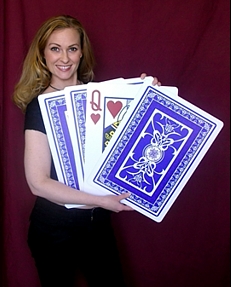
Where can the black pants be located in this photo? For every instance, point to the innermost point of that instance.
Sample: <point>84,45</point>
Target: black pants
<point>63,241</point>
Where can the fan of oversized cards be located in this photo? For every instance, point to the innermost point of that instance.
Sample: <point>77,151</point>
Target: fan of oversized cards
<point>126,135</point>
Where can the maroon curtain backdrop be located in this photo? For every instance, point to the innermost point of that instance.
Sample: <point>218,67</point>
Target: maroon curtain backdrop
<point>185,44</point>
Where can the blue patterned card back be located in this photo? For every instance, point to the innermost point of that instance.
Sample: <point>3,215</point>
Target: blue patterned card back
<point>155,151</point>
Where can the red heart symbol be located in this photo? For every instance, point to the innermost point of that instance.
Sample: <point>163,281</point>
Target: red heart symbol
<point>95,118</point>
<point>114,107</point>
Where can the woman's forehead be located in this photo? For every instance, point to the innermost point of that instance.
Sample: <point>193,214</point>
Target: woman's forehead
<point>65,34</point>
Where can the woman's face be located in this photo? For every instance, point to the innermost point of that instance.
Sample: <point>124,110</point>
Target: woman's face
<point>63,54</point>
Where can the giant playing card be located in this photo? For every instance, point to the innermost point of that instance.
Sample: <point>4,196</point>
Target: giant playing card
<point>154,151</point>
<point>54,113</point>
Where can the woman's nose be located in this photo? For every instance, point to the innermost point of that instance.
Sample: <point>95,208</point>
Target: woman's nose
<point>64,57</point>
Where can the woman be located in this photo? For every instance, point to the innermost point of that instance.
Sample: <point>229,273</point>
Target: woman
<point>63,240</point>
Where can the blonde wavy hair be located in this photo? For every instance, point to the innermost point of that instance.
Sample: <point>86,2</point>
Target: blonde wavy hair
<point>35,77</point>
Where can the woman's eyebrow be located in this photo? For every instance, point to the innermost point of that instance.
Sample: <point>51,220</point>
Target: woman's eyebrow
<point>75,44</point>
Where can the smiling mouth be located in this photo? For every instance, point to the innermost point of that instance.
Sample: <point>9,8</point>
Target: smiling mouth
<point>64,68</point>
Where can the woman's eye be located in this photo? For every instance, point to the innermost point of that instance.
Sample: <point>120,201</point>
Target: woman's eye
<point>73,49</point>
<point>54,49</point>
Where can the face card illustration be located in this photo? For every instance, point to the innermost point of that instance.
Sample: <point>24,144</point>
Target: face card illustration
<point>154,152</point>
<point>114,111</point>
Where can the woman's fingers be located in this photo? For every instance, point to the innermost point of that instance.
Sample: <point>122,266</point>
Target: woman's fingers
<point>154,82</point>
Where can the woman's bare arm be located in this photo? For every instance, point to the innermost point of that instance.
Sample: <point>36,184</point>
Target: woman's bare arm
<point>37,161</point>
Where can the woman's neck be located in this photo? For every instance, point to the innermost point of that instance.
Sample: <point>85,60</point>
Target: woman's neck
<point>61,86</point>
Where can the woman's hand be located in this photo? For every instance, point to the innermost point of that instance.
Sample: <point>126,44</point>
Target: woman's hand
<point>113,202</point>
<point>155,79</point>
